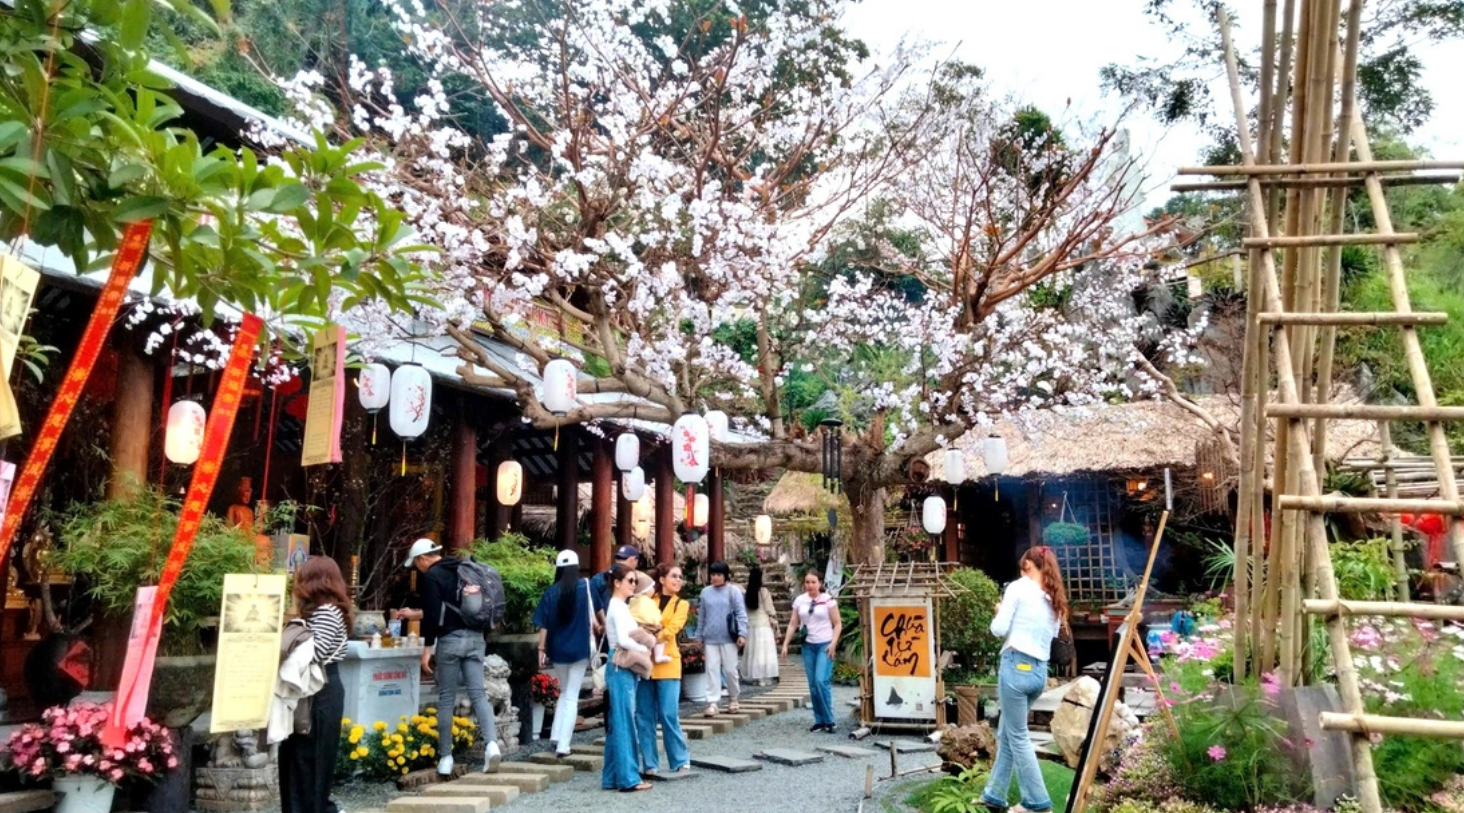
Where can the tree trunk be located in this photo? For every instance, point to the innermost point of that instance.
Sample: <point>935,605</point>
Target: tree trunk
<point>866,538</point>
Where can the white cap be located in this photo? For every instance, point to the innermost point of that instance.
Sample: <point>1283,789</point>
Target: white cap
<point>567,558</point>
<point>421,547</point>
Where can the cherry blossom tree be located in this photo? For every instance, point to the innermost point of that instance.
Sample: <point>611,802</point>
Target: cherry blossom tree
<point>677,186</point>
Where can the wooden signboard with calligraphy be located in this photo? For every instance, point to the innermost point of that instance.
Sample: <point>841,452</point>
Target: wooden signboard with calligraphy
<point>903,658</point>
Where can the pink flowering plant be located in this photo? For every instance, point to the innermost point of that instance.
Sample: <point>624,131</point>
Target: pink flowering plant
<point>68,741</point>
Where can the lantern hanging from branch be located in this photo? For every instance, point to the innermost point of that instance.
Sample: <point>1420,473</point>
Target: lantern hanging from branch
<point>640,517</point>
<point>633,484</point>
<point>627,451</point>
<point>373,387</point>
<point>411,404</point>
<point>933,515</point>
<point>717,424</point>
<point>700,508</point>
<point>955,473</point>
<point>561,388</point>
<point>690,448</point>
<point>994,454</point>
<point>184,438</point>
<point>510,482</point>
<point>833,455</point>
<point>762,529</point>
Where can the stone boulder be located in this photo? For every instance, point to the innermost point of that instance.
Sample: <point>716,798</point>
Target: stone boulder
<point>1070,724</point>
<point>964,746</point>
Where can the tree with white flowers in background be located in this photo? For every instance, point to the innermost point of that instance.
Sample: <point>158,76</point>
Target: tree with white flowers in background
<point>734,206</point>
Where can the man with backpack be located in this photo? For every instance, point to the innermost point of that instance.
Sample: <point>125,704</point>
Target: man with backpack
<point>461,600</point>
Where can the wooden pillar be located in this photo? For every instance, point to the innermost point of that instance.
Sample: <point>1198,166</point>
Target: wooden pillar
<point>624,524</point>
<point>132,424</point>
<point>1034,515</point>
<point>602,473</point>
<point>497,515</point>
<point>716,518</point>
<point>665,507</point>
<point>464,511</point>
<point>567,506</point>
<point>952,536</point>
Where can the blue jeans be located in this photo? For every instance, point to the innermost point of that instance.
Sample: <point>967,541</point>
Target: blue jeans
<point>660,700</point>
<point>1019,683</point>
<point>621,771</point>
<point>818,663</point>
<point>460,661</point>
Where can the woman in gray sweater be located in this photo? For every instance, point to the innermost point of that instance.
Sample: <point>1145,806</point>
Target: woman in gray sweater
<point>721,626</point>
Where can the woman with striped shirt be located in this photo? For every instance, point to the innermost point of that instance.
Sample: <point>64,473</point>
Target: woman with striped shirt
<point>307,761</point>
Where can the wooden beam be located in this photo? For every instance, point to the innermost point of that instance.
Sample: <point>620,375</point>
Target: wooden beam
<point>567,504</point>
<point>1346,319</point>
<point>665,507</point>
<point>602,496</point>
<point>1322,240</point>
<point>624,525</point>
<point>463,514</point>
<point>1328,168</point>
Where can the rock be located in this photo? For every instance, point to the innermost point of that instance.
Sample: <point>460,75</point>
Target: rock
<point>965,746</point>
<point>1070,724</point>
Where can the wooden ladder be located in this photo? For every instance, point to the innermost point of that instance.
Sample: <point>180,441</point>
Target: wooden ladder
<point>1290,313</point>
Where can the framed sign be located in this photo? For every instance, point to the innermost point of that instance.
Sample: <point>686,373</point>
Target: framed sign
<point>903,661</point>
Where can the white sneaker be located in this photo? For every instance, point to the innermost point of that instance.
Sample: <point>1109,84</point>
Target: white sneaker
<point>493,752</point>
<point>444,766</point>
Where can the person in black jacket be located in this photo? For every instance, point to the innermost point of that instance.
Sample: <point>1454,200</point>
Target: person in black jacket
<point>459,650</point>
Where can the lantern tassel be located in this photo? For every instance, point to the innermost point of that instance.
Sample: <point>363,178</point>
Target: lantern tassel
<point>404,458</point>
<point>556,437</point>
<point>690,506</point>
<point>373,429</point>
<point>997,481</point>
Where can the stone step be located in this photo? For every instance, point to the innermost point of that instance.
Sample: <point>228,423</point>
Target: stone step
<point>754,712</point>
<point>496,794</point>
<point>671,776</point>
<point>726,764</point>
<point>771,705</point>
<point>525,782</point>
<point>848,751</point>
<point>719,724</point>
<point>696,732</point>
<point>555,773</point>
<point>27,801</point>
<point>591,750</point>
<point>438,804</point>
<point>908,746</point>
<point>580,762</point>
<point>788,756</point>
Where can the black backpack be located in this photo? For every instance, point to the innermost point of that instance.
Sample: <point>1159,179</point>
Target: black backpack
<point>481,600</point>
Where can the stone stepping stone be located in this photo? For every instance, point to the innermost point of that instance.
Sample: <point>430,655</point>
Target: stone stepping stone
<point>719,724</point>
<point>726,764</point>
<point>773,705</point>
<point>694,732</point>
<point>755,712</point>
<point>798,701</point>
<point>908,747</point>
<point>671,776</point>
<point>738,720</point>
<point>496,794</point>
<point>556,773</point>
<point>848,751</point>
<point>580,762</point>
<point>438,804</point>
<point>525,782</point>
<point>788,756</point>
<point>588,750</point>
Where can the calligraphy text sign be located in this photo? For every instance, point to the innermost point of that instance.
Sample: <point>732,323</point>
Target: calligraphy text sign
<point>902,638</point>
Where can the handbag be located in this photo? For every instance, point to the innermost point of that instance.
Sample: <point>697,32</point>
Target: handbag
<point>597,660</point>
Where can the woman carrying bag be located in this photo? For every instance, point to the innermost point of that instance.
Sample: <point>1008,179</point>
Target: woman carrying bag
<point>563,618</point>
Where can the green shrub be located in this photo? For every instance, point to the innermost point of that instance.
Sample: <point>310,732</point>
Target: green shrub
<point>527,572</point>
<point>113,547</point>
<point>965,622</point>
<point>1411,769</point>
<point>1059,534</point>
<point>1364,569</point>
<point>1230,751</point>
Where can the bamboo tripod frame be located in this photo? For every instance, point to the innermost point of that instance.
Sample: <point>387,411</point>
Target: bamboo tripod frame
<point>1284,579</point>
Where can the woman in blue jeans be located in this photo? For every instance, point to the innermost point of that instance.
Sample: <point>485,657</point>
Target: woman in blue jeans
<point>622,752</point>
<point>659,699</point>
<point>1031,613</point>
<point>817,611</point>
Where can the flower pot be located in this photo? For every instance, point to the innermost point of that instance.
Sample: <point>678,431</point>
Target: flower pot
<point>84,794</point>
<point>366,622</point>
<point>538,720</point>
<point>182,689</point>
<point>694,687</point>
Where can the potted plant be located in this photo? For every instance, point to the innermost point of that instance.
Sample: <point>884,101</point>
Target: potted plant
<point>67,748</point>
<point>693,671</point>
<point>526,572</point>
<point>543,692</point>
<point>113,547</point>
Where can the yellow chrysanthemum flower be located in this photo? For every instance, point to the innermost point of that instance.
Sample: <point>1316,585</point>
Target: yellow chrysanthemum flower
<point>355,737</point>
<point>402,727</point>
<point>396,738</point>
<point>431,710</point>
<point>379,726</point>
<point>345,721</point>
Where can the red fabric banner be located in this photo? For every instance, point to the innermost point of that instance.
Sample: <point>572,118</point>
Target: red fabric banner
<point>130,256</point>
<point>132,694</point>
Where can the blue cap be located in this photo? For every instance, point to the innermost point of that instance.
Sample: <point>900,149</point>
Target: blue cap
<point>626,552</point>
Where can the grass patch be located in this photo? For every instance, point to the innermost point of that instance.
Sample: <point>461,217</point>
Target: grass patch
<point>1057,776</point>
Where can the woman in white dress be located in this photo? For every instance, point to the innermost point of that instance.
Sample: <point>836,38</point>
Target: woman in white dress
<point>760,656</point>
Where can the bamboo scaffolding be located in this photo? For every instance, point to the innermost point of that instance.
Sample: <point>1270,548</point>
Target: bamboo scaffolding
<point>1401,587</point>
<point>1369,412</point>
<point>1434,612</point>
<point>1368,505</point>
<point>1364,165</point>
<point>1327,240</point>
<point>1326,183</point>
<point>1346,319</point>
<point>1365,724</point>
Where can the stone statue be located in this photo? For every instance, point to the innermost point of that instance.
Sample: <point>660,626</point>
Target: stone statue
<point>238,778</point>
<point>500,696</point>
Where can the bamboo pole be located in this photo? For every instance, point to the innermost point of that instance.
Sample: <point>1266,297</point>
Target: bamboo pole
<point>1325,240</point>
<point>1363,724</point>
<point>1362,165</point>
<point>1346,181</point>
<point>1345,318</point>
<point>1401,587</point>
<point>1369,505</point>
<point>1366,412</point>
<point>1400,609</point>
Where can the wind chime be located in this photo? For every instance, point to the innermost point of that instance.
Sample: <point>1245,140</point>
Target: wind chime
<point>833,455</point>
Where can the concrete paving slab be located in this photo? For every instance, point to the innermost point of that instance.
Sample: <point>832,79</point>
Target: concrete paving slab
<point>788,756</point>
<point>726,764</point>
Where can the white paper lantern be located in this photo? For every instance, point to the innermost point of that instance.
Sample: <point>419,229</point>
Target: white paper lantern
<point>633,484</point>
<point>640,518</point>
<point>700,509</point>
<point>994,451</point>
<point>373,385</point>
<point>510,482</point>
<point>955,467</point>
<point>717,425</point>
<point>691,448</point>
<point>627,451</point>
<point>762,529</point>
<point>933,515</point>
<point>561,386</point>
<point>184,438</point>
<point>411,400</point>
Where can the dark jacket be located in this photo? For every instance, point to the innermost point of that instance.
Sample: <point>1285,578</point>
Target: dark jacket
<point>439,587</point>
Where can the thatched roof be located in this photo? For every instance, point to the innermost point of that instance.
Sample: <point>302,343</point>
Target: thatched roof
<point>799,492</point>
<point>1122,437</point>
<point>543,520</point>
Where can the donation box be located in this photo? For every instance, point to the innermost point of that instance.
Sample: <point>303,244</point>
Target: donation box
<point>381,684</point>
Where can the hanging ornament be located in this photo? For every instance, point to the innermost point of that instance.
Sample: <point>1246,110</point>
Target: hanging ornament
<point>184,438</point>
<point>627,451</point>
<point>833,455</point>
<point>701,507</point>
<point>933,515</point>
<point>633,484</point>
<point>762,529</point>
<point>411,404</point>
<point>994,453</point>
<point>955,473</point>
<point>690,448</point>
<point>717,423</point>
<point>373,387</point>
<point>640,517</point>
<point>510,482</point>
<point>561,387</point>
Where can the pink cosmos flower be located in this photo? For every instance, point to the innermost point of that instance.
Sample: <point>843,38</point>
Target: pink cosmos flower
<point>1216,752</point>
<point>1271,684</point>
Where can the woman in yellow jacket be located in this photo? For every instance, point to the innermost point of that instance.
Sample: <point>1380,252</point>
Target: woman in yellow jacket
<point>659,699</point>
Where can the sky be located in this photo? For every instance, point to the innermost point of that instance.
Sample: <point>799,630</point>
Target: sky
<point>1049,52</point>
